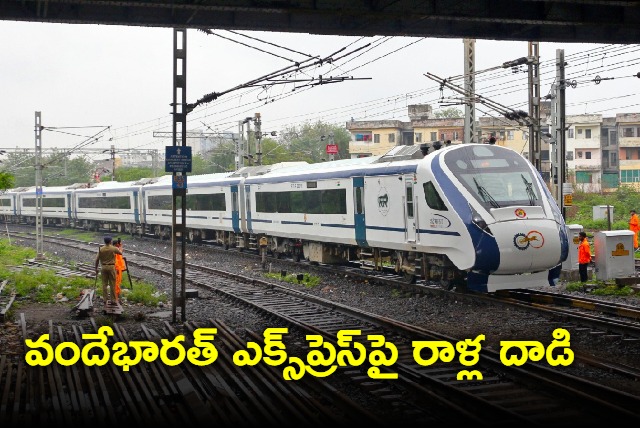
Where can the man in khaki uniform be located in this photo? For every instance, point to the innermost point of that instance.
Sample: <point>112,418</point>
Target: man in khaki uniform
<point>107,258</point>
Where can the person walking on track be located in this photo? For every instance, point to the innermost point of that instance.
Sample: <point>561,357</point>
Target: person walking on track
<point>634,226</point>
<point>120,267</point>
<point>106,257</point>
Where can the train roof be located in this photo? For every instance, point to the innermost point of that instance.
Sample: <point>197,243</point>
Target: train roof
<point>249,171</point>
<point>108,185</point>
<point>400,160</point>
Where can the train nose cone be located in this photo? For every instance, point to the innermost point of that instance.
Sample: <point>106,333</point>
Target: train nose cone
<point>527,245</point>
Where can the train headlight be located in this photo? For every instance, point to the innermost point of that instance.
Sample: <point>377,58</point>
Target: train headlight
<point>479,221</point>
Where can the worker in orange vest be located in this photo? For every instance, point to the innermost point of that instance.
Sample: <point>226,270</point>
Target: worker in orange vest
<point>584,256</point>
<point>634,226</point>
<point>120,267</point>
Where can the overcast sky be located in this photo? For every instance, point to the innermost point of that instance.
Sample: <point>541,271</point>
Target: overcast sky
<point>84,78</point>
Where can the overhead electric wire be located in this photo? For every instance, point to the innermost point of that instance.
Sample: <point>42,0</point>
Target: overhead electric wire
<point>211,33</point>
<point>269,43</point>
<point>551,62</point>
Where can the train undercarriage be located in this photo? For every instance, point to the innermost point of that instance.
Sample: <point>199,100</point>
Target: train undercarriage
<point>410,265</point>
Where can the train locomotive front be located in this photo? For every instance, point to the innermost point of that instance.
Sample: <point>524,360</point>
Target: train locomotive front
<point>506,215</point>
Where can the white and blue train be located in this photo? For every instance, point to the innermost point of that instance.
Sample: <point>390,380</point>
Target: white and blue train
<point>471,215</point>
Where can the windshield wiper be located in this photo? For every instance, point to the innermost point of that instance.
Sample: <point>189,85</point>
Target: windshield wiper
<point>486,197</point>
<point>530,193</point>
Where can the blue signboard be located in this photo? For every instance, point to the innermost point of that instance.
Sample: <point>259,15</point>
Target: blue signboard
<point>179,182</point>
<point>177,159</point>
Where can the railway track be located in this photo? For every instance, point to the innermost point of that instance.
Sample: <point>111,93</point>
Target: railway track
<point>153,393</point>
<point>6,299</point>
<point>530,394</point>
<point>494,395</point>
<point>615,320</point>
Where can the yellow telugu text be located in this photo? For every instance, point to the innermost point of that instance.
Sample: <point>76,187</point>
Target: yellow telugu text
<point>323,358</point>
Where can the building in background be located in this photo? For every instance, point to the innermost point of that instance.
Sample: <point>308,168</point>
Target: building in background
<point>628,125</point>
<point>601,153</point>
<point>584,151</point>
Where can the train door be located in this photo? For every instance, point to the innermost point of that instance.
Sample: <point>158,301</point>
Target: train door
<point>358,211</point>
<point>247,204</point>
<point>409,212</point>
<point>136,210</point>
<point>143,204</point>
<point>69,206</point>
<point>235,212</point>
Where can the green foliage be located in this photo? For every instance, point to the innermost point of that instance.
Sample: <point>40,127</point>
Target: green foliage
<point>142,292</point>
<point>133,173</point>
<point>449,113</point>
<point>78,234</point>
<point>308,281</point>
<point>6,181</point>
<point>307,142</point>
<point>623,200</point>
<point>602,289</point>
<point>613,290</point>
<point>59,169</point>
<point>575,286</point>
<point>11,255</point>
<point>44,285</point>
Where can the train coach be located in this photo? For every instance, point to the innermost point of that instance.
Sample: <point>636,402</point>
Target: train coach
<point>471,215</point>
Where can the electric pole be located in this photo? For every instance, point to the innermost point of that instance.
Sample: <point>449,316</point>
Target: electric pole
<point>258,135</point>
<point>560,130</point>
<point>113,163</point>
<point>39,234</point>
<point>248,146</point>
<point>470,89</point>
<point>179,179</point>
<point>534,105</point>
<point>239,145</point>
<point>558,169</point>
<point>331,155</point>
<point>154,162</point>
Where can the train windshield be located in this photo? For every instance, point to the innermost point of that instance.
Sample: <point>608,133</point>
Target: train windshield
<point>497,177</point>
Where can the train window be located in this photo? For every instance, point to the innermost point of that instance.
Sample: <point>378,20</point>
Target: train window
<point>312,202</point>
<point>283,202</point>
<point>163,202</point>
<point>46,202</point>
<point>312,184</point>
<point>332,201</point>
<point>297,203</point>
<point>409,193</point>
<point>266,202</point>
<point>431,195</point>
<point>234,201</point>
<point>359,193</point>
<point>206,202</point>
<point>109,202</point>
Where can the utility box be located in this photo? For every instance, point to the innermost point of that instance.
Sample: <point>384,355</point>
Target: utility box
<point>573,230</point>
<point>600,212</point>
<point>614,254</point>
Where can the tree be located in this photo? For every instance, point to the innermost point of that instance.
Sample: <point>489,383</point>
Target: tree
<point>449,113</point>
<point>308,142</point>
<point>6,181</point>
<point>133,173</point>
<point>65,171</point>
